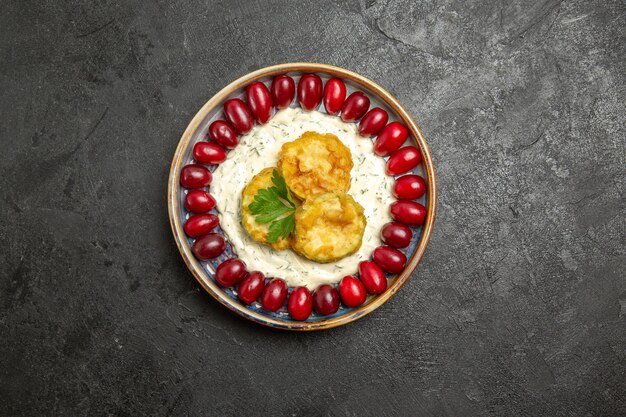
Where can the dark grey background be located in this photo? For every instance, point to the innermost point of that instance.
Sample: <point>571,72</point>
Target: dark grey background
<point>517,309</point>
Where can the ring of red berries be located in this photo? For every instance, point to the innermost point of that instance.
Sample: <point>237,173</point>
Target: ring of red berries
<point>239,119</point>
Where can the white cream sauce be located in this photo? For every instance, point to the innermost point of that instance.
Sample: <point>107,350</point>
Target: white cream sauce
<point>259,149</point>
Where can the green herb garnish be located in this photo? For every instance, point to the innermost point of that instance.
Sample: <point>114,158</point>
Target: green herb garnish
<point>274,204</point>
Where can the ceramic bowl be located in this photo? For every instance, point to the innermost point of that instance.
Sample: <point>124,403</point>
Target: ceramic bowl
<point>197,131</point>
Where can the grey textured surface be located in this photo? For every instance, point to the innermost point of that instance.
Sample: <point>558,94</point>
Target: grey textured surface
<point>517,309</point>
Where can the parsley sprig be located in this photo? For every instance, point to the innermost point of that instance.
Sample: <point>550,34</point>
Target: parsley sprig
<point>275,204</point>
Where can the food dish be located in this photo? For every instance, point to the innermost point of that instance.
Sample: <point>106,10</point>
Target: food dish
<point>329,227</point>
<point>261,148</point>
<point>285,298</point>
<point>259,231</point>
<point>315,163</point>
